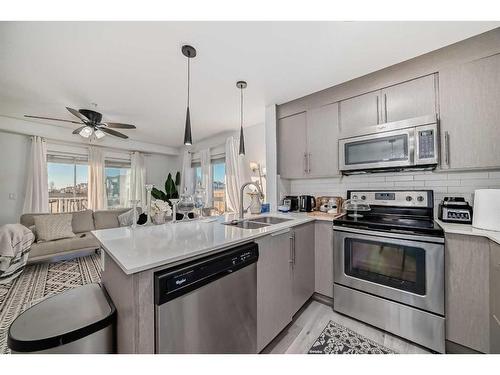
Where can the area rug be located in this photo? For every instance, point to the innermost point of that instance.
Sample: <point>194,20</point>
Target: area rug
<point>40,281</point>
<point>337,339</point>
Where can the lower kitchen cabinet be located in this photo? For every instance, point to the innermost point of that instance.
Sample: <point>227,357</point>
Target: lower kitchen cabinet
<point>323,258</point>
<point>285,279</point>
<point>472,282</point>
<point>274,286</point>
<point>302,265</point>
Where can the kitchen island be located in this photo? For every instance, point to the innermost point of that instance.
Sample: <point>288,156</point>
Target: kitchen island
<point>131,257</point>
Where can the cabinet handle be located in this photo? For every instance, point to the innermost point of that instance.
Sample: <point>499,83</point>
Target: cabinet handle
<point>305,162</point>
<point>293,247</point>
<point>309,163</point>
<point>447,148</point>
<point>290,256</point>
<point>378,113</point>
<point>385,107</point>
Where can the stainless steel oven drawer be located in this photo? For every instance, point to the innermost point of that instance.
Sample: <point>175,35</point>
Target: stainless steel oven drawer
<point>415,325</point>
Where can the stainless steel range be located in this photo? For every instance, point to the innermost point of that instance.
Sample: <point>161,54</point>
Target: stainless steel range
<point>389,265</point>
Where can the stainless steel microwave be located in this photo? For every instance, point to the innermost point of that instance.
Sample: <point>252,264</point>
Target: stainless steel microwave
<point>408,144</point>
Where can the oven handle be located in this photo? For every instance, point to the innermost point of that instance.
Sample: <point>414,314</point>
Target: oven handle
<point>396,235</point>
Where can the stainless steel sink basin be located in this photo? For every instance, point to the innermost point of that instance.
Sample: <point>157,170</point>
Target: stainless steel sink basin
<point>246,224</point>
<point>269,220</point>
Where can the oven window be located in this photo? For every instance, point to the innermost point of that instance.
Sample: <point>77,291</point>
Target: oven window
<point>396,266</point>
<point>392,148</point>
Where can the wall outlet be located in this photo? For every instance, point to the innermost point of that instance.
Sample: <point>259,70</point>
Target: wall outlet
<point>12,196</point>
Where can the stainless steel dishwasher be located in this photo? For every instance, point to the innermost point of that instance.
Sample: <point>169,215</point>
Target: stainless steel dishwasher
<point>209,305</point>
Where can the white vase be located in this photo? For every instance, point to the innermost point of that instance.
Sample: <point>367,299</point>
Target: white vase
<point>159,218</point>
<point>255,205</point>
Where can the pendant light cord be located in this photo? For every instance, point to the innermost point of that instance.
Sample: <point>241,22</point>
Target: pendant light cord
<point>241,107</point>
<point>189,78</point>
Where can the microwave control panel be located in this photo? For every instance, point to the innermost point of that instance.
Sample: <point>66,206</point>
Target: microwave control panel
<point>426,144</point>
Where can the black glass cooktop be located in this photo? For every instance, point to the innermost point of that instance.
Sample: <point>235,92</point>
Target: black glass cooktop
<point>392,223</point>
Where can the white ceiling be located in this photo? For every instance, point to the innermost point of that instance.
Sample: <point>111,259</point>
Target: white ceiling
<point>137,74</point>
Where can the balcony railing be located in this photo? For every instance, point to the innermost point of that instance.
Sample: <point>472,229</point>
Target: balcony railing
<point>72,204</point>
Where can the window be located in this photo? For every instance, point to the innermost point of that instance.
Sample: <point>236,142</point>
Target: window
<point>68,181</point>
<point>219,184</point>
<point>117,183</point>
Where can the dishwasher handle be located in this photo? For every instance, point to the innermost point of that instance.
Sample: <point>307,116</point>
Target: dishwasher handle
<point>178,281</point>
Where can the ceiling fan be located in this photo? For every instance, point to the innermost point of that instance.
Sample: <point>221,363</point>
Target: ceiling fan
<point>92,124</point>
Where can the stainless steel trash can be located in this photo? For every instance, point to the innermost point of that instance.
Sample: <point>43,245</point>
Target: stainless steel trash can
<point>80,320</point>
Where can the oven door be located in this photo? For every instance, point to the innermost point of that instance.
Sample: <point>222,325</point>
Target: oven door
<point>402,270</point>
<point>390,149</point>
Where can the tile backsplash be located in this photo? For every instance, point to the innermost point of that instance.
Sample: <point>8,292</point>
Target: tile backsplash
<point>460,184</point>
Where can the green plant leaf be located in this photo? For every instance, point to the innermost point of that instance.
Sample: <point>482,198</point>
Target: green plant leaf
<point>178,179</point>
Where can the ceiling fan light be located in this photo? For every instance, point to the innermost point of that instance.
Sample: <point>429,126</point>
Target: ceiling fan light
<point>86,132</point>
<point>99,133</point>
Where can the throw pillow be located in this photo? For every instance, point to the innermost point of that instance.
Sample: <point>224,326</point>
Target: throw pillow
<point>53,227</point>
<point>127,218</point>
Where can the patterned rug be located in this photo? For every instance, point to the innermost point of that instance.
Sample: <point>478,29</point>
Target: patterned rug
<point>337,339</point>
<point>39,281</point>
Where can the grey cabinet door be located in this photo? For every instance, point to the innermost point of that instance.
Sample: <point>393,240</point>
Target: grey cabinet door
<point>292,146</point>
<point>322,141</point>
<point>494,297</point>
<point>467,291</point>
<point>323,258</point>
<point>274,286</point>
<point>469,97</point>
<point>410,99</point>
<point>303,265</point>
<point>359,112</point>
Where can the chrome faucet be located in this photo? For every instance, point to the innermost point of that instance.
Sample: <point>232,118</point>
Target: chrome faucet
<point>257,185</point>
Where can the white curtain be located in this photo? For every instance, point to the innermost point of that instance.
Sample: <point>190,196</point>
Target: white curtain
<point>187,174</point>
<point>138,178</point>
<point>97,181</point>
<point>36,198</point>
<point>206,175</point>
<point>234,174</point>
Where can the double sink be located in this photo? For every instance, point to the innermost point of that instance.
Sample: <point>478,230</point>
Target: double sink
<point>256,222</point>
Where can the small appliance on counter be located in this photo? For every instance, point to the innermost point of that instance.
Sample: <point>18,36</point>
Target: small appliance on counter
<point>455,210</point>
<point>307,203</point>
<point>328,203</point>
<point>487,209</point>
<point>292,201</point>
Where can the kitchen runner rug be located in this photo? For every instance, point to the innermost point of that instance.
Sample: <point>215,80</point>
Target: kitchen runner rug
<point>40,281</point>
<point>337,339</point>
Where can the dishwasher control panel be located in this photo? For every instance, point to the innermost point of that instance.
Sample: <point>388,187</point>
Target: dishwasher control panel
<point>177,281</point>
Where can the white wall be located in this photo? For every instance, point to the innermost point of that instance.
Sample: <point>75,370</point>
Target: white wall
<point>461,184</point>
<point>159,166</point>
<point>13,159</point>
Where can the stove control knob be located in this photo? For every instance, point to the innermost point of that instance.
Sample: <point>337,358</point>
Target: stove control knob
<point>409,198</point>
<point>420,198</point>
<point>363,197</point>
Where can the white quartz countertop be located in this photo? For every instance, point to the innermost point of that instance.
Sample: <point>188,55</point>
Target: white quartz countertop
<point>469,230</point>
<point>157,245</point>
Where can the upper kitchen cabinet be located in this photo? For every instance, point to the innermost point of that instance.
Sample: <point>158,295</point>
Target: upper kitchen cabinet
<point>409,99</point>
<point>469,98</point>
<point>360,111</point>
<point>292,146</point>
<point>322,145</point>
<point>308,143</point>
<point>403,101</point>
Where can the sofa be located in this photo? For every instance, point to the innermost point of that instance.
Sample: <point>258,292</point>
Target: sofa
<point>83,222</point>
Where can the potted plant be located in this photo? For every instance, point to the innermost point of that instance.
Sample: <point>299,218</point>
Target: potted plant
<point>171,189</point>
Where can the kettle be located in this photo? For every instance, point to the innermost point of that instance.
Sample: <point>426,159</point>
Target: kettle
<point>307,203</point>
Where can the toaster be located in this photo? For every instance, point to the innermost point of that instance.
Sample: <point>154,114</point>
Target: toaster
<point>455,210</point>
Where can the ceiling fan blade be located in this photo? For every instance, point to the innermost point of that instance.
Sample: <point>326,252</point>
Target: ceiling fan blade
<point>78,114</point>
<point>52,119</point>
<point>78,130</point>
<point>118,125</point>
<point>113,132</point>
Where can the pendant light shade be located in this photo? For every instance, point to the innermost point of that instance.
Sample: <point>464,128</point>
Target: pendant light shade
<point>189,52</point>
<point>241,85</point>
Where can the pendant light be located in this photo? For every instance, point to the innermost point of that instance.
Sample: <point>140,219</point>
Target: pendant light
<point>241,85</point>
<point>189,52</point>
